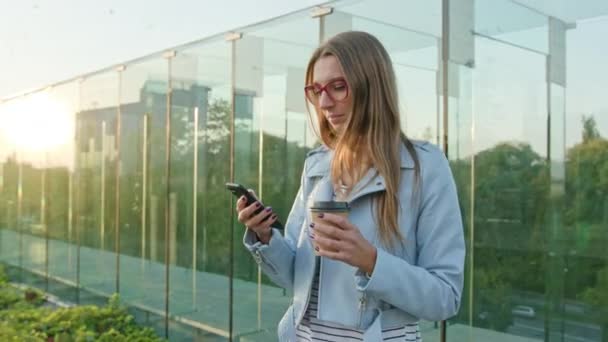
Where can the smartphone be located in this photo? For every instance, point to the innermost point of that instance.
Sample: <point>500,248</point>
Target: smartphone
<point>238,190</point>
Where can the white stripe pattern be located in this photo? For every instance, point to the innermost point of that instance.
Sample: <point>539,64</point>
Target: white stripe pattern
<point>312,329</point>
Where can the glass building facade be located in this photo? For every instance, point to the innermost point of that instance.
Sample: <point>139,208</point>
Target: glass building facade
<point>113,182</point>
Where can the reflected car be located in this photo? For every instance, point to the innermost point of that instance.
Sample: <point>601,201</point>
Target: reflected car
<point>523,311</point>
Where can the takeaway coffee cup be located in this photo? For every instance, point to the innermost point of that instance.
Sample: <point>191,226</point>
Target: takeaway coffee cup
<point>327,207</point>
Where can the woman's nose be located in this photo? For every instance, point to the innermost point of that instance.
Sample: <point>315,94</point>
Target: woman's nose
<point>325,101</point>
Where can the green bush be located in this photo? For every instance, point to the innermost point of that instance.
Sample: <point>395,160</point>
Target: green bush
<point>23,319</point>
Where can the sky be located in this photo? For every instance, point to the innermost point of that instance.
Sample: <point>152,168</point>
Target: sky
<point>45,41</point>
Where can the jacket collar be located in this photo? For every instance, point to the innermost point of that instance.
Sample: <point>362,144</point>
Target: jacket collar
<point>371,182</point>
<point>325,155</point>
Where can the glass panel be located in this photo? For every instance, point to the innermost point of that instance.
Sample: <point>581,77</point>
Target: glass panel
<point>415,59</point>
<point>511,22</point>
<point>411,33</point>
<point>534,191</point>
<point>9,255</point>
<point>419,16</point>
<point>510,190</point>
<point>96,168</point>
<point>59,199</point>
<point>201,107</point>
<point>569,11</point>
<point>33,158</point>
<point>584,310</point>
<point>461,158</point>
<point>12,132</point>
<point>143,107</point>
<point>270,131</point>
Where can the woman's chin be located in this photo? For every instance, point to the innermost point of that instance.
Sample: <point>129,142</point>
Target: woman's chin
<point>338,128</point>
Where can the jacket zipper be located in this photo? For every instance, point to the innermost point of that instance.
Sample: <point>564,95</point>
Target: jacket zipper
<point>320,282</point>
<point>362,304</point>
<point>310,292</point>
<point>308,304</point>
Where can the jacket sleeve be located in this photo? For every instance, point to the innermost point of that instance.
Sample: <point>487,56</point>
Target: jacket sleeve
<point>277,257</point>
<point>432,289</point>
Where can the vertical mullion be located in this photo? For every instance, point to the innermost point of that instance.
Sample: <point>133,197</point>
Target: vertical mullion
<point>43,220</point>
<point>445,63</point>
<point>78,173</point>
<point>167,192</point>
<point>144,188</point>
<point>117,182</point>
<point>232,155</point>
<point>194,206</point>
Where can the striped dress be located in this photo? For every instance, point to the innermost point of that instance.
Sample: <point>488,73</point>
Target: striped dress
<point>313,329</point>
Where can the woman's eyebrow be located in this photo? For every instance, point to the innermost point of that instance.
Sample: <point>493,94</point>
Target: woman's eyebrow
<point>341,78</point>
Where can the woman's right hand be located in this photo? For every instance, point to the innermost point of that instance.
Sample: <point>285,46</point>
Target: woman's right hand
<point>255,222</point>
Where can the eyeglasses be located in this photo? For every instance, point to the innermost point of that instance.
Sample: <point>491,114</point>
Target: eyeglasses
<point>336,89</point>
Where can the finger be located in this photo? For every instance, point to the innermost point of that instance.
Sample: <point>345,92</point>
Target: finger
<point>328,244</point>
<point>330,254</point>
<point>329,230</point>
<point>257,219</point>
<point>252,208</point>
<point>267,225</point>
<point>247,213</point>
<point>313,233</point>
<point>241,203</point>
<point>338,221</point>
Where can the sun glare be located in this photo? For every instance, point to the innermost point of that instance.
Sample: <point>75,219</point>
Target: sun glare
<point>38,123</point>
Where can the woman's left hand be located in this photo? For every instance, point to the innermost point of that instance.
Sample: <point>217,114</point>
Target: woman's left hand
<point>338,239</point>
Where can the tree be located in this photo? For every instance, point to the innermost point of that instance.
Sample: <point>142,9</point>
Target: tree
<point>510,193</point>
<point>597,297</point>
<point>510,189</point>
<point>587,178</point>
<point>590,131</point>
<point>586,213</point>
<point>493,306</point>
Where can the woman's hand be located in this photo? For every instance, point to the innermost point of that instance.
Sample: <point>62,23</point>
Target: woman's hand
<point>336,238</point>
<point>256,222</point>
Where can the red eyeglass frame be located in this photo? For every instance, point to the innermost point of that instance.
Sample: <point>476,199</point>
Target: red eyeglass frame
<point>323,88</point>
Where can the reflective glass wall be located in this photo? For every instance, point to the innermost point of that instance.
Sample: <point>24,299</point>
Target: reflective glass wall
<point>114,182</point>
<point>530,186</point>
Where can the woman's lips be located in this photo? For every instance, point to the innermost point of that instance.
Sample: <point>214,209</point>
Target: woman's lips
<point>335,118</point>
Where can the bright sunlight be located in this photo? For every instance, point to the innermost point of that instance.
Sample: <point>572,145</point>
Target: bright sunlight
<point>37,123</point>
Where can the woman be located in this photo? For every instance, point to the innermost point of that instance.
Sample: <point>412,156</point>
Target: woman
<point>399,256</point>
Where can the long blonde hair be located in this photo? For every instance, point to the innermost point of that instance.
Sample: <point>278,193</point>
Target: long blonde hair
<point>373,130</point>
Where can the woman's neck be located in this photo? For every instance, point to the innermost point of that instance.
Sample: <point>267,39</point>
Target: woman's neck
<point>349,178</point>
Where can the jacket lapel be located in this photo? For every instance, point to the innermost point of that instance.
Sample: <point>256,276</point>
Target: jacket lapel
<point>374,182</point>
<point>370,183</point>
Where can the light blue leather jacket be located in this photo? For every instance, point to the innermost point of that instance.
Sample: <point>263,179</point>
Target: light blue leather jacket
<point>420,278</point>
